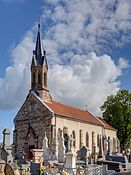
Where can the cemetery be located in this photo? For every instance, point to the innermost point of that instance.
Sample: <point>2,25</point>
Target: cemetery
<point>67,163</point>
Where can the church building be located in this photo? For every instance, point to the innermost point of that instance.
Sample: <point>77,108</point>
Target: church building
<point>41,114</point>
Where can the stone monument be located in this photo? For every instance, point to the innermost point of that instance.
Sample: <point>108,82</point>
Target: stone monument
<point>61,149</point>
<point>45,148</point>
<point>6,151</point>
<point>70,158</point>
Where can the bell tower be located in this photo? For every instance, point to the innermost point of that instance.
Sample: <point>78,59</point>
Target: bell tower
<point>39,70</point>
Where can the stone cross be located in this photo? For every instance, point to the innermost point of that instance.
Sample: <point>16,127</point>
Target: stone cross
<point>61,149</point>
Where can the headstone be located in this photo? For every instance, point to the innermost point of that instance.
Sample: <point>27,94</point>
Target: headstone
<point>34,168</point>
<point>37,154</point>
<point>6,139</point>
<point>70,158</point>
<point>83,154</point>
<point>7,146</point>
<point>61,149</point>
<point>2,167</point>
<point>54,151</point>
<point>9,170</point>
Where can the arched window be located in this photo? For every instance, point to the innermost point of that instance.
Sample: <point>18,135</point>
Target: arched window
<point>87,139</point>
<point>98,140</point>
<point>114,145</point>
<point>39,79</point>
<point>58,135</point>
<point>74,138</point>
<point>33,79</point>
<point>81,138</point>
<point>45,79</point>
<point>66,138</point>
<point>93,142</point>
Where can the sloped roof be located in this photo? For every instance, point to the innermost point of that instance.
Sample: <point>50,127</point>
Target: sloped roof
<point>71,112</point>
<point>106,125</point>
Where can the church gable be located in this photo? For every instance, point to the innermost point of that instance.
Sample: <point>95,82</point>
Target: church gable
<point>32,107</point>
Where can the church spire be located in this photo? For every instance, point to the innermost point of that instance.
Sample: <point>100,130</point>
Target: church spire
<point>39,70</point>
<point>39,52</point>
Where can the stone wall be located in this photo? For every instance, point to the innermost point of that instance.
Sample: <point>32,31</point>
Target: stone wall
<point>78,127</point>
<point>35,115</point>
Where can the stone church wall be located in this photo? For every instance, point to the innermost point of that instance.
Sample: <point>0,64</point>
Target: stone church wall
<point>34,114</point>
<point>78,127</point>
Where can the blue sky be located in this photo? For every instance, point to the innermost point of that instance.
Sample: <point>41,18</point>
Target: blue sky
<point>88,48</point>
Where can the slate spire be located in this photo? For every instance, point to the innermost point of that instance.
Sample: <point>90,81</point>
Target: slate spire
<point>40,53</point>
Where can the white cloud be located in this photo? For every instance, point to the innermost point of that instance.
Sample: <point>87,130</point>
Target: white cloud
<point>74,33</point>
<point>89,79</point>
<point>89,25</point>
<point>16,82</point>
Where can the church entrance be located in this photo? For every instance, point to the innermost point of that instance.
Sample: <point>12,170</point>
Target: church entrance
<point>31,142</point>
<point>30,152</point>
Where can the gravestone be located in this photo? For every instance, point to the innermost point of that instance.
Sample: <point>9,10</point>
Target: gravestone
<point>61,149</point>
<point>83,154</point>
<point>2,167</point>
<point>7,148</point>
<point>9,170</point>
<point>37,154</point>
<point>34,168</point>
<point>70,158</point>
<point>100,148</point>
<point>6,139</point>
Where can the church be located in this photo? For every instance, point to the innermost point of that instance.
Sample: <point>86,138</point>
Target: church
<point>41,114</point>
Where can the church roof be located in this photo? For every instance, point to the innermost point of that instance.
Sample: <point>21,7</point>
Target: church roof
<point>106,125</point>
<point>72,113</point>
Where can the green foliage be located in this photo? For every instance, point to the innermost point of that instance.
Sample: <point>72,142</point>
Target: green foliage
<point>117,112</point>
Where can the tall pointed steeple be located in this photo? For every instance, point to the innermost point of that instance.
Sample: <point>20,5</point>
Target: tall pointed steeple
<point>39,70</point>
<point>39,52</point>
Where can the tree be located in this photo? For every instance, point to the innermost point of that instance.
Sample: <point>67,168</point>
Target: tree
<point>117,112</point>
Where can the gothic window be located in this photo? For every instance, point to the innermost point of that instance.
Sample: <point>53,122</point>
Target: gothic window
<point>45,79</point>
<point>33,79</point>
<point>58,135</point>
<point>98,140</point>
<point>81,138</point>
<point>93,138</point>
<point>87,139</point>
<point>74,138</point>
<point>114,145</point>
<point>66,139</point>
<point>39,79</point>
<point>93,141</point>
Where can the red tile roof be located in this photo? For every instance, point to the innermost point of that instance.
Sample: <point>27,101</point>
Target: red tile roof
<point>106,125</point>
<point>71,112</point>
